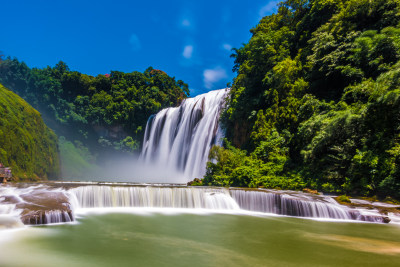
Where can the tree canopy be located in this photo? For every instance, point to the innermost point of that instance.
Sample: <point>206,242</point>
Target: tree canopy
<point>96,116</point>
<point>315,102</point>
<point>112,106</point>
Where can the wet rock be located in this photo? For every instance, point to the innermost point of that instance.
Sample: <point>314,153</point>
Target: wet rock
<point>386,219</point>
<point>35,217</point>
<point>195,182</point>
<point>44,207</point>
<point>382,209</point>
<point>343,199</point>
<point>310,191</point>
<point>9,200</point>
<point>357,215</point>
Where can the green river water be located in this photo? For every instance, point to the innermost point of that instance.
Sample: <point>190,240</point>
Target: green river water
<point>187,239</point>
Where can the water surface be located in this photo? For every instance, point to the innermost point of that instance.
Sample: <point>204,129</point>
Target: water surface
<point>185,239</point>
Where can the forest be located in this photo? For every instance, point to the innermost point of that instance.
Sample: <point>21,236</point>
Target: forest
<point>95,117</point>
<point>316,101</point>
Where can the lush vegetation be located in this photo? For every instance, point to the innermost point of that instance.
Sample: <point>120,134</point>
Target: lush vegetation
<point>96,115</point>
<point>315,104</point>
<point>316,101</point>
<point>26,144</point>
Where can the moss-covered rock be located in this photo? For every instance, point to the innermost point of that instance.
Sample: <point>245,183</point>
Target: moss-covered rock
<point>27,145</point>
<point>343,199</point>
<point>195,182</point>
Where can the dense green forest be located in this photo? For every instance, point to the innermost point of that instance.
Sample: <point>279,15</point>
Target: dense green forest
<point>94,116</point>
<point>316,101</point>
<point>26,144</point>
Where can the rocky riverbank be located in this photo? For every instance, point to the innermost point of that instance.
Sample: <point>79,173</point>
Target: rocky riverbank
<point>384,208</point>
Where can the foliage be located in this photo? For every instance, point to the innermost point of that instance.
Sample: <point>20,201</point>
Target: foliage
<point>26,144</point>
<point>263,168</point>
<point>316,100</point>
<point>107,113</point>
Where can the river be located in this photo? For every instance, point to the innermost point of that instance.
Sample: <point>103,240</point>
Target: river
<point>155,225</point>
<point>171,237</point>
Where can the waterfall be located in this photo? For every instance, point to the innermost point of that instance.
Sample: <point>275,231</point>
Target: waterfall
<point>178,140</point>
<point>299,205</point>
<point>153,197</point>
<point>58,203</point>
<point>287,205</point>
<point>48,217</point>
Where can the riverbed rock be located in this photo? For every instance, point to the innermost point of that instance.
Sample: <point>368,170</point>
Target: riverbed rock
<point>9,200</point>
<point>357,215</point>
<point>39,206</point>
<point>195,182</point>
<point>386,219</point>
<point>35,217</point>
<point>44,207</point>
<point>310,191</point>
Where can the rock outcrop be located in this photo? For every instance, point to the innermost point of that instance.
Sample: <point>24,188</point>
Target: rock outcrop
<point>41,206</point>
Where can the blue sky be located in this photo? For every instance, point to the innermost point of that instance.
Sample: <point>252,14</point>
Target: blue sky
<point>190,40</point>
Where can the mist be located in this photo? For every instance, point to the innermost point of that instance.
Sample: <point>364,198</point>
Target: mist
<point>128,169</point>
<point>175,147</point>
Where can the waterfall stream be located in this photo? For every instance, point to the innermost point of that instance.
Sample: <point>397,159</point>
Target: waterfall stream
<point>153,197</point>
<point>178,140</point>
<point>58,203</point>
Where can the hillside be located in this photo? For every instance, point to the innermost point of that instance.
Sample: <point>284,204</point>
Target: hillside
<point>98,117</point>
<point>316,101</point>
<point>108,111</point>
<point>26,144</point>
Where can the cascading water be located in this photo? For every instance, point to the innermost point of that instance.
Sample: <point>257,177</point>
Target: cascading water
<point>287,205</point>
<point>178,140</point>
<point>34,205</point>
<point>153,197</point>
<point>299,205</point>
<point>58,203</point>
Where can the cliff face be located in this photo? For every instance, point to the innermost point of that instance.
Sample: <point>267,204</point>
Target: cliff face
<point>27,145</point>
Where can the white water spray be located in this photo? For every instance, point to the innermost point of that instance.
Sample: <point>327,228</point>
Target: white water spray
<point>178,140</point>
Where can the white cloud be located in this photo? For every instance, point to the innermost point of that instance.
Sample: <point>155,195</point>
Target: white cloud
<point>187,51</point>
<point>269,8</point>
<point>212,76</point>
<point>227,47</point>
<point>135,43</point>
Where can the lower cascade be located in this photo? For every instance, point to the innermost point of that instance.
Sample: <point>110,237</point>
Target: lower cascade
<point>178,140</point>
<point>44,204</point>
<point>153,197</point>
<point>298,204</point>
